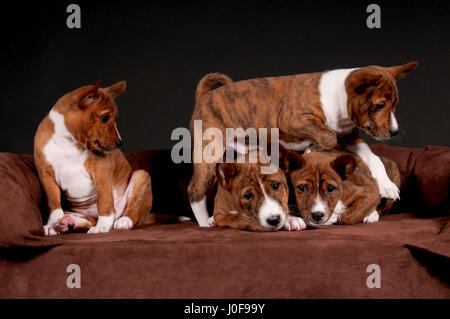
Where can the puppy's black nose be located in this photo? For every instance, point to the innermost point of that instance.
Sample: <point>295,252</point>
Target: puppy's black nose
<point>119,143</point>
<point>393,133</point>
<point>317,216</point>
<point>273,220</point>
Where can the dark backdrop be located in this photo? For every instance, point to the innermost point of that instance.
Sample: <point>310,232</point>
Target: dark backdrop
<point>163,48</point>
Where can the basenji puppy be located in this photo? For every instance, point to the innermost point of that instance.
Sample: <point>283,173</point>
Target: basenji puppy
<point>335,187</point>
<point>249,200</point>
<point>315,109</point>
<point>88,182</point>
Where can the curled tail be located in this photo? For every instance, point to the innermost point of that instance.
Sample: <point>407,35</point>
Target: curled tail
<point>208,81</point>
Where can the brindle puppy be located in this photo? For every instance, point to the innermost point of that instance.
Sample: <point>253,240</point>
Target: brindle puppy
<point>249,200</point>
<point>336,187</point>
<point>316,108</point>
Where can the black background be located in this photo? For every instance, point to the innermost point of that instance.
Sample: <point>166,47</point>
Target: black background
<point>162,49</point>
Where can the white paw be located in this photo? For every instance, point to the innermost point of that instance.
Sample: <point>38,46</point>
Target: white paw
<point>123,223</point>
<point>50,230</point>
<point>388,189</point>
<point>332,220</point>
<point>308,150</point>
<point>99,229</point>
<point>372,218</point>
<point>211,222</point>
<point>104,224</point>
<point>294,223</point>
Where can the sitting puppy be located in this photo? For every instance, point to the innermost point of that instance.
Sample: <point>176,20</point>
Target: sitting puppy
<point>317,108</point>
<point>81,168</point>
<point>335,187</point>
<point>249,200</point>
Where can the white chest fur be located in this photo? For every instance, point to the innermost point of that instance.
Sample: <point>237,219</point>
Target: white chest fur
<point>333,97</point>
<point>67,161</point>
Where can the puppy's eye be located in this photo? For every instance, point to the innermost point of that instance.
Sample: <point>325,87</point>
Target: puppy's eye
<point>379,106</point>
<point>331,189</point>
<point>302,188</point>
<point>104,118</point>
<point>248,196</point>
<point>275,186</point>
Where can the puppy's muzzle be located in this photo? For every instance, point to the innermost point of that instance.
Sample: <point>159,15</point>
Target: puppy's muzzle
<point>317,216</point>
<point>274,220</point>
<point>393,133</point>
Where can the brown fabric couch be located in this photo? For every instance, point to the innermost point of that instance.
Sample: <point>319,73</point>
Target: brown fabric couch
<point>411,244</point>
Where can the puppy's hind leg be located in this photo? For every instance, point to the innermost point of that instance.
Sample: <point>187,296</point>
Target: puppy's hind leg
<point>201,181</point>
<point>74,222</point>
<point>358,210</point>
<point>203,174</point>
<point>139,202</point>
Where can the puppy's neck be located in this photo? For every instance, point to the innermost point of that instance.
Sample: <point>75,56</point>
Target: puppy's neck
<point>62,136</point>
<point>333,97</point>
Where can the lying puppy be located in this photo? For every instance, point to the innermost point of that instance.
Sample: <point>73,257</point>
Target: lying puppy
<point>81,168</point>
<point>336,187</point>
<point>314,108</point>
<point>249,200</point>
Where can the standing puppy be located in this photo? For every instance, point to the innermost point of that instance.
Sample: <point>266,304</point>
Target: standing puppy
<point>87,180</point>
<point>316,108</point>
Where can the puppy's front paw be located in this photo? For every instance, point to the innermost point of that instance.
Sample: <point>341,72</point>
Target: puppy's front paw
<point>372,218</point>
<point>99,229</point>
<point>294,223</point>
<point>332,220</point>
<point>50,230</point>
<point>211,222</point>
<point>123,223</point>
<point>388,189</point>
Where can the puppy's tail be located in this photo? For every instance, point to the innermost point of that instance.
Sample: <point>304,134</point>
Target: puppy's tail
<point>208,81</point>
<point>150,219</point>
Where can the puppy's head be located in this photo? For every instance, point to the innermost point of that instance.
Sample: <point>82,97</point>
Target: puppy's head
<point>261,198</point>
<point>91,117</point>
<point>372,98</point>
<point>316,179</point>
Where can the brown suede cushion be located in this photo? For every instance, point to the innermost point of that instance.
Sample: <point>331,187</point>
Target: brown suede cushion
<point>20,204</point>
<point>425,175</point>
<point>425,178</point>
<point>186,261</point>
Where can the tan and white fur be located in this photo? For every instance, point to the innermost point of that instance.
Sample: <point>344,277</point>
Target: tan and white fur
<point>249,200</point>
<point>87,180</point>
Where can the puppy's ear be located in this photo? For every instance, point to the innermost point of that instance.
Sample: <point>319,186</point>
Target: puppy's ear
<point>344,165</point>
<point>85,96</point>
<point>116,89</point>
<point>362,79</point>
<point>292,161</point>
<point>271,152</point>
<point>401,71</point>
<point>225,174</point>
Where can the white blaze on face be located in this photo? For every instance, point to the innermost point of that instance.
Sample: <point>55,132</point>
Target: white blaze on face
<point>319,206</point>
<point>394,124</point>
<point>270,209</point>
